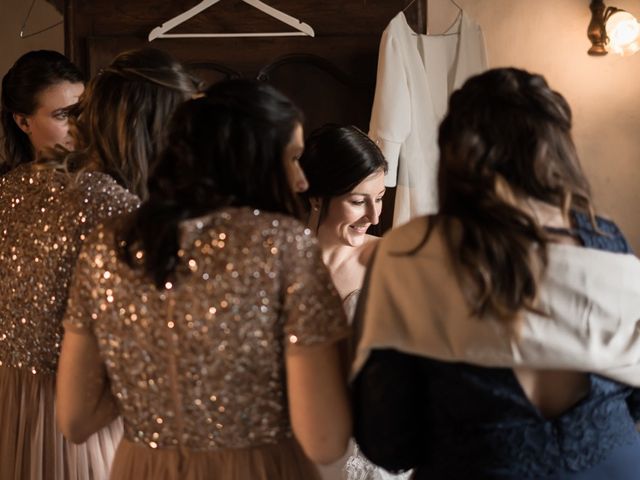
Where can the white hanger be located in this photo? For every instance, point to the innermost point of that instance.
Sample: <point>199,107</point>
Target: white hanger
<point>161,31</point>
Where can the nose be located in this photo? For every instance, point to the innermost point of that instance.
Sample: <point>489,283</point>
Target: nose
<point>373,213</point>
<point>300,183</point>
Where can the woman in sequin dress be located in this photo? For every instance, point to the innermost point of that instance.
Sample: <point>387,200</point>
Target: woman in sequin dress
<point>46,215</point>
<point>345,170</point>
<point>210,310</point>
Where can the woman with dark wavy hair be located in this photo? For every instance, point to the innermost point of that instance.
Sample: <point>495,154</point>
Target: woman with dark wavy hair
<point>345,170</point>
<point>49,202</point>
<point>37,92</point>
<point>481,324</point>
<point>209,310</point>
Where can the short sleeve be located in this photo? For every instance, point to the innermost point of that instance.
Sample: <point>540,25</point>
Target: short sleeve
<point>101,199</point>
<point>312,307</point>
<point>82,304</point>
<point>391,113</point>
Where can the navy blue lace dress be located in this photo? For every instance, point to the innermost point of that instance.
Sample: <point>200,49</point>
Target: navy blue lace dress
<point>458,421</point>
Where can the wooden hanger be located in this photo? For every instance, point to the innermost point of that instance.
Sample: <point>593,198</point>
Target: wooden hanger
<point>302,28</point>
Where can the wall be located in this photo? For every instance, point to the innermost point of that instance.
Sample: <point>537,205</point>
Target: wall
<point>549,37</point>
<point>12,14</point>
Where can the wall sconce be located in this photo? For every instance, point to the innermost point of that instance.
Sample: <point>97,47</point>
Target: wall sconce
<point>612,30</point>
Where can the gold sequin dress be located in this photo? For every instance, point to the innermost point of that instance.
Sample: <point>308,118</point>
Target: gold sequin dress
<point>198,368</point>
<point>44,220</point>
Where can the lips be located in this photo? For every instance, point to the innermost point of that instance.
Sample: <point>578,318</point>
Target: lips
<point>359,228</point>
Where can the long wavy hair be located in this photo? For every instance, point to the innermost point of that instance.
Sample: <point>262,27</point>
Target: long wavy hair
<point>505,127</point>
<point>29,76</point>
<point>335,160</point>
<point>225,149</point>
<point>123,113</point>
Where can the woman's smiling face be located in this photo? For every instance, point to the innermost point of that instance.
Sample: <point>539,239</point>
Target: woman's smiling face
<point>350,215</point>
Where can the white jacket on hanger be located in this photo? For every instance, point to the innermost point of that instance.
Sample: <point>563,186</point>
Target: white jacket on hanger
<point>416,75</point>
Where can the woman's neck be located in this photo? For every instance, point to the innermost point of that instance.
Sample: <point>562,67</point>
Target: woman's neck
<point>334,252</point>
<point>345,263</point>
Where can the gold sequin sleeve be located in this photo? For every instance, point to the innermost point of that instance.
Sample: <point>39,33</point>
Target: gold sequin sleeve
<point>82,306</point>
<point>313,309</point>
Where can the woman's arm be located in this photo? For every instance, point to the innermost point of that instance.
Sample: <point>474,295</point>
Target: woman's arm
<point>84,402</point>
<point>318,401</point>
<point>315,330</point>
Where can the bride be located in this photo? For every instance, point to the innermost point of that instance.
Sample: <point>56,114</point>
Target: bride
<point>345,171</point>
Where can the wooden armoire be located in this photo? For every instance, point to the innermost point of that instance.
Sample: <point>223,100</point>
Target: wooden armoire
<point>330,76</point>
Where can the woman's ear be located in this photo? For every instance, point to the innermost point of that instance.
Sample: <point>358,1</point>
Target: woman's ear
<point>23,122</point>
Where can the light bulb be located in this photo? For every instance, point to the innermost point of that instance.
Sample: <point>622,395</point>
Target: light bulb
<point>623,31</point>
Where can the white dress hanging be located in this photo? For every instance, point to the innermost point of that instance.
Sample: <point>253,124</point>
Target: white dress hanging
<point>416,75</point>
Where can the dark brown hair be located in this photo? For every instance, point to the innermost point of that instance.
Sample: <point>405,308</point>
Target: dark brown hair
<point>505,126</point>
<point>224,149</point>
<point>335,160</point>
<point>123,113</point>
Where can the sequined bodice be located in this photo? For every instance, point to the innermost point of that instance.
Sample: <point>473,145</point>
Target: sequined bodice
<point>201,364</point>
<point>45,218</point>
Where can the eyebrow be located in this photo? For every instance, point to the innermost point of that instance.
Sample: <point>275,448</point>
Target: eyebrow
<point>365,194</point>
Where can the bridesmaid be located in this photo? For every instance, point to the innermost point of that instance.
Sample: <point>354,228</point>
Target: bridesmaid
<point>46,215</point>
<point>345,170</point>
<point>210,311</point>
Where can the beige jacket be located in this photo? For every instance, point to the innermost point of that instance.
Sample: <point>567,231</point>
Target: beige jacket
<point>413,303</point>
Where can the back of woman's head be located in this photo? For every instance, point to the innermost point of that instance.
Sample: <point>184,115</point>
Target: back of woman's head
<point>32,73</point>
<point>124,112</point>
<point>506,140</point>
<point>336,159</point>
<point>508,123</point>
<point>224,149</point>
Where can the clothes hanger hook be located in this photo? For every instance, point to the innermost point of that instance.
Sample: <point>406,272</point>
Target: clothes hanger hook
<point>24,35</point>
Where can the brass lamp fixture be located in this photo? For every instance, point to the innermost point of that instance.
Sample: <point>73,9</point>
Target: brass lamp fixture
<point>612,30</point>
